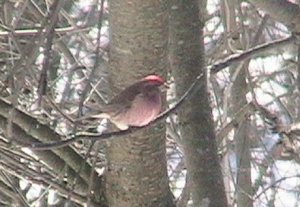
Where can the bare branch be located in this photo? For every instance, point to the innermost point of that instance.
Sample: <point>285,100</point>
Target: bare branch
<point>193,88</point>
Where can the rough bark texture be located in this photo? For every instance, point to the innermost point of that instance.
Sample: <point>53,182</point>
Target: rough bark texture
<point>137,174</point>
<point>195,119</point>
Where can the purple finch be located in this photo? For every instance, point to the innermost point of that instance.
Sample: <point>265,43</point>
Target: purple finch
<point>137,105</point>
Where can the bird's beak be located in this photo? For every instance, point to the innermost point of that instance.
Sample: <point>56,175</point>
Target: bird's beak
<point>164,87</point>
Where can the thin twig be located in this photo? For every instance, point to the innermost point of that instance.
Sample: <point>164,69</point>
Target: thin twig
<point>215,68</point>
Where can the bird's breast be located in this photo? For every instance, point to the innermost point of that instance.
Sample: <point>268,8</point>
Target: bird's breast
<point>143,110</point>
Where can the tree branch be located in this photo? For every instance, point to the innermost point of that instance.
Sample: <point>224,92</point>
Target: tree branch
<point>57,142</point>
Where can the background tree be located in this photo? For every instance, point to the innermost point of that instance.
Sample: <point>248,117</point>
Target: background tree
<point>195,120</point>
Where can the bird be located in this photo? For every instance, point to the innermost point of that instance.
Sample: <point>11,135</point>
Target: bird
<point>135,106</point>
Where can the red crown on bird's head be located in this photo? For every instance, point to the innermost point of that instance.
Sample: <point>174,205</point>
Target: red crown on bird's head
<point>155,79</point>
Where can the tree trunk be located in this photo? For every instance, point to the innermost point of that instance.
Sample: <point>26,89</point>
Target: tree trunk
<point>136,174</point>
<point>242,143</point>
<point>195,118</point>
<point>243,184</point>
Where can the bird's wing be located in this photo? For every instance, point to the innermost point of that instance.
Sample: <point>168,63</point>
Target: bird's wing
<point>120,103</point>
<point>127,96</point>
